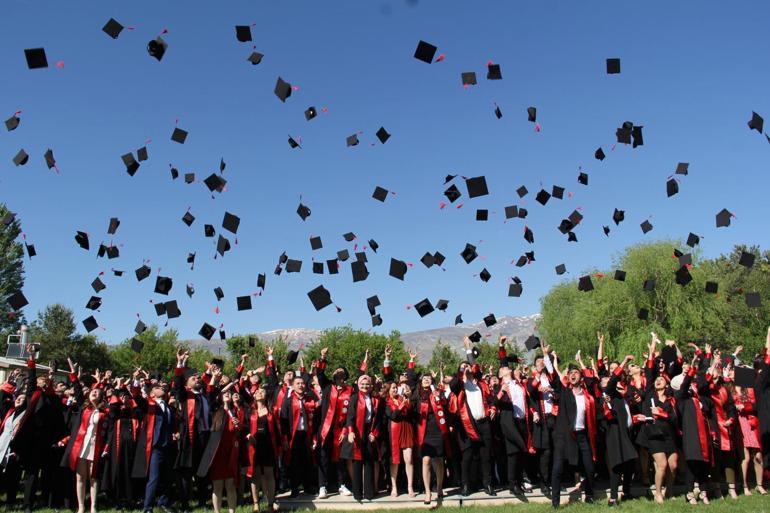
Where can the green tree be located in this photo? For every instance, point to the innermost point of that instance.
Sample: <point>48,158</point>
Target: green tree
<point>11,273</point>
<point>158,355</point>
<point>446,355</point>
<point>238,345</point>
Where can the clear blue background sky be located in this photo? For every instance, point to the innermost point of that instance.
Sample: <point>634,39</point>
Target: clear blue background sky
<point>692,72</point>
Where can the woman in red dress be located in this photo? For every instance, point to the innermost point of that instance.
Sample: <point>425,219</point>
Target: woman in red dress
<point>745,403</point>
<point>398,410</point>
<point>221,456</point>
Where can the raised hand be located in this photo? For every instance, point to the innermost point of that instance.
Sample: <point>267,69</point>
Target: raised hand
<point>324,352</point>
<point>73,366</point>
<point>627,359</point>
<point>388,351</point>
<point>546,349</point>
<point>738,350</point>
<point>503,339</point>
<point>467,341</point>
<point>366,355</point>
<point>412,354</point>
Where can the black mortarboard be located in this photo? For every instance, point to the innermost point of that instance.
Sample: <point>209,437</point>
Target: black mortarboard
<point>291,356</point>
<point>424,307</point>
<point>179,135</point>
<point>142,273</point>
<point>747,259</point>
<point>745,377</point>
<point>102,251</point>
<point>672,187</point>
<point>94,303</point>
<point>30,250</point>
<point>140,327</point>
<point>214,182</point>
<point>376,320</point>
<point>174,173</point>
<point>542,197</point>
<point>561,269</point>
<point>191,258</point>
<point>636,133</point>
<point>649,284</point>
<point>163,285</point>
<point>219,293</point>
<point>529,236</point>
<point>425,52</point>
<point>452,193</point>
<point>380,194</point>
<point>643,314</point>
<point>137,345</point>
<point>482,214</point>
<point>351,140</point>
<point>315,243</point>
<point>613,66</point>
<point>112,252</point>
<point>498,112</point>
<point>756,123</point>
<point>712,287</point>
<point>449,178</point>
<point>343,255</point>
<point>112,28</point>
<point>21,158</point>
<point>188,218</point>
<point>112,227</point>
<point>373,245</point>
<point>571,237</point>
<point>599,154</point>
<point>190,289</point>
<point>753,300</point>
<point>90,324</point>
<point>532,342</point>
<point>511,211</point>
<point>723,218</point>
<point>282,89</point>
<point>382,135</point>
<point>468,78</point>
<point>189,177</point>
<point>36,58</point>
<point>293,266</point>
<point>557,192</point>
<point>255,58</point>
<point>618,216</point>
<point>17,300</point>
<point>532,114</point>
<point>243,33</point>
<point>398,269</point>
<point>12,123</point>
<point>360,272</point>
<point>231,222</point>
<point>172,309</point>
<point>484,275</point>
<point>98,285</point>
<point>332,266</point>
<point>477,186</point>
<point>320,297</point>
<point>683,276</point>
<point>427,260</point>
<point>207,331</point>
<point>350,236</point>
<point>490,320</point>
<point>442,305</point>
<point>623,134</point>
<point>157,48</point>
<point>693,240</point>
<point>117,272</point>
<point>82,239</point>
<point>516,288</point>
<point>303,211</point>
<point>522,191</point>
<point>160,309</point>
<point>475,337</point>
<point>583,178</point>
<point>141,154</point>
<point>50,161</point>
<point>438,258</point>
<point>585,284</point>
<point>469,253</point>
<point>685,259</point>
<point>223,245</point>
<point>646,226</point>
<point>261,278</point>
<point>310,113</point>
<point>459,319</point>
<point>682,168</point>
<point>493,72</point>
<point>522,261</point>
<point>372,303</point>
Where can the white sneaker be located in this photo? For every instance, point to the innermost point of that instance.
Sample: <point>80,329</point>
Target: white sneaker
<point>344,491</point>
<point>322,493</point>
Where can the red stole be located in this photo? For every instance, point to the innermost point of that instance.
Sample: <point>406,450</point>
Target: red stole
<point>331,411</point>
<point>464,410</point>
<point>704,446</point>
<point>360,423</point>
<point>718,398</point>
<point>590,421</point>
<point>77,444</point>
<point>309,406</point>
<point>439,413</point>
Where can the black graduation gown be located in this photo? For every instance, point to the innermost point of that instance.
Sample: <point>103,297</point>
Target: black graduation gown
<point>514,432</point>
<point>541,431</point>
<point>191,446</point>
<point>564,442</point>
<point>696,439</point>
<point>620,448</point>
<point>762,393</point>
<point>116,474</point>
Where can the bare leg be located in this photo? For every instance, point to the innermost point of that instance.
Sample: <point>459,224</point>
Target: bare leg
<point>438,468</point>
<point>409,468</point>
<point>426,477</point>
<point>661,466</point>
<point>393,479</point>
<point>756,457</point>
<point>673,465</point>
<point>81,475</point>
<point>216,495</point>
<point>254,482</point>
<point>94,488</point>
<point>232,495</point>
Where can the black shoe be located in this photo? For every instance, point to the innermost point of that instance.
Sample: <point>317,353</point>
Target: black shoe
<point>490,491</point>
<point>588,500</point>
<point>464,491</point>
<point>294,494</point>
<point>518,491</point>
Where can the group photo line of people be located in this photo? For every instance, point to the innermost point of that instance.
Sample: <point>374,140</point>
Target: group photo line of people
<point>691,423</point>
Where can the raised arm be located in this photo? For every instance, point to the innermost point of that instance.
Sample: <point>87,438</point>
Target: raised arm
<point>411,376</point>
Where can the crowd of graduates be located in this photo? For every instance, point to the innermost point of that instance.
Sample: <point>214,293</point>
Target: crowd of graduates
<point>702,420</point>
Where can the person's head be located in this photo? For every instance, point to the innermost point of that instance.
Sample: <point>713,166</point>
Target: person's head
<point>426,381</point>
<point>59,388</point>
<point>574,376</point>
<point>393,390</point>
<point>227,398</point>
<point>96,397</point>
<point>518,373</point>
<point>224,380</point>
<point>288,377</point>
<point>254,378</point>
<point>365,384</point>
<point>660,384</point>
<point>157,392</point>
<point>298,385</point>
<point>614,365</point>
<point>634,369</point>
<point>260,395</point>
<point>20,401</point>
<point>340,375</point>
<point>403,378</point>
<point>41,381</point>
<point>194,382</point>
<point>539,364</point>
<point>447,380</point>
<point>493,381</point>
<point>505,373</point>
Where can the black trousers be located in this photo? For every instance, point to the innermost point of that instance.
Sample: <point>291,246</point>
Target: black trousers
<point>622,474</point>
<point>585,461</point>
<point>363,478</point>
<point>696,471</point>
<point>301,464</point>
<point>330,474</point>
<point>483,450</point>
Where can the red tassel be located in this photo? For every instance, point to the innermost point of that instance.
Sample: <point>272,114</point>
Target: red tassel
<point>440,58</point>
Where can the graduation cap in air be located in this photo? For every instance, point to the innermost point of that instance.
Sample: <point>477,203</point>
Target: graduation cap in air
<point>21,158</point>
<point>382,135</point>
<point>468,78</point>
<point>684,258</point>
<point>255,58</point>
<point>723,218</point>
<point>30,250</point>
<point>522,261</point>
<point>494,72</point>
<point>179,135</point>
<point>174,173</point>
<point>373,245</point>
<point>112,252</point>
<point>542,197</point>
<point>623,134</point>
<point>376,320</point>
<point>529,236</point>
<point>142,273</point>
<point>475,337</point>
<point>293,266</point>
<point>532,114</point>
<point>477,186</point>
<point>359,270</point>
<point>636,133</point>
<point>372,303</point>
<point>427,260</point>
<point>585,284</point>
<point>693,240</point>
<point>469,253</point>
<point>352,140</point>
<point>36,58</point>
<point>17,301</point>
<point>599,154</point>
<point>753,300</point>
<point>137,345</point>
<point>649,284</point>
<point>172,309</point>
<point>557,192</point>
<point>94,303</point>
<point>219,293</point>
<point>332,266</point>
<point>682,168</point>
<point>112,227</point>
<point>207,331</point>
<point>303,211</point>
<point>482,214</point>
<point>163,285</point>
<point>320,297</point>
<point>98,285</point>
<point>522,191</point>
<point>350,236</point>
<point>438,258</point>
<point>583,178</point>
<point>672,187</point>
<point>424,307</point>
<point>425,52</point>
<point>485,276</point>
<point>398,269</point>
<point>282,89</point>
<point>452,193</point>
<point>490,320</point>
<point>243,302</point>
<point>442,305</point>
<point>532,343</point>
<point>208,230</point>
<point>191,259</point>
<point>190,290</point>
<point>140,327</point>
<point>243,33</point>
<point>223,245</point>
<point>160,309</point>
<point>618,216</point>
<point>643,314</point>
<point>712,287</point>
<point>261,278</point>
<point>90,324</point>
<point>458,319</point>
<point>189,177</point>
<point>380,194</point>
<point>310,113</point>
<point>188,218</point>
<point>315,243</point>
<point>82,239</point>
<point>511,212</point>
<point>756,123</point>
<point>231,222</point>
<point>516,288</point>
<point>613,66</point>
<point>561,269</point>
<point>343,255</point>
<point>214,182</point>
<point>157,48</point>
<point>498,112</point>
<point>747,259</point>
<point>50,161</point>
<point>683,276</point>
<point>141,154</point>
<point>12,123</point>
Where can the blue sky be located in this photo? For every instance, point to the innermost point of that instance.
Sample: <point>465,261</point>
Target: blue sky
<point>692,72</point>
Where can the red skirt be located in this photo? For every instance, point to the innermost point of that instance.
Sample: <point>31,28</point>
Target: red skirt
<point>406,436</point>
